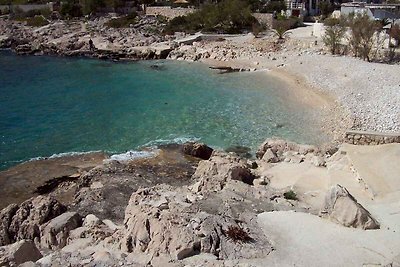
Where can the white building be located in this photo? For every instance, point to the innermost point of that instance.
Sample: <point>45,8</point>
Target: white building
<point>374,11</point>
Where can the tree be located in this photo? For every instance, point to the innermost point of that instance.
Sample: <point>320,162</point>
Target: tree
<point>228,16</point>
<point>274,6</point>
<point>362,31</point>
<point>334,33</point>
<point>71,8</point>
<point>395,33</point>
<point>92,6</point>
<point>325,7</point>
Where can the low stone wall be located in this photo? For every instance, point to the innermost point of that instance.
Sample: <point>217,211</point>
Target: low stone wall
<point>371,138</point>
<point>26,8</point>
<point>264,18</point>
<point>167,11</point>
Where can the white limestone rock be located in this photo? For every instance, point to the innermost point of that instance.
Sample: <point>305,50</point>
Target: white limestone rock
<point>56,232</point>
<point>341,207</point>
<point>18,253</point>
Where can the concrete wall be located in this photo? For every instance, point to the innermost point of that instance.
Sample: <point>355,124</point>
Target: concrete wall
<point>264,18</point>
<point>371,138</point>
<point>167,11</point>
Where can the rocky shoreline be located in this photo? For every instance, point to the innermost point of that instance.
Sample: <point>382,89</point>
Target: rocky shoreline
<point>191,206</point>
<point>356,96</point>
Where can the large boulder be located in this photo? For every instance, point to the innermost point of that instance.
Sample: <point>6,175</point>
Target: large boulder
<point>159,221</point>
<point>213,174</point>
<point>18,253</point>
<point>341,207</point>
<point>18,222</point>
<point>198,150</point>
<point>54,234</point>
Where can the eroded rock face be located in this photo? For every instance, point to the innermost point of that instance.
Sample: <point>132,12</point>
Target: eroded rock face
<point>6,216</point>
<point>214,173</point>
<point>198,150</point>
<point>341,207</point>
<point>54,234</point>
<point>23,221</point>
<point>18,253</point>
<point>160,221</point>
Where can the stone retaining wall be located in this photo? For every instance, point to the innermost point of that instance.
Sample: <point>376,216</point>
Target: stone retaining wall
<point>371,138</point>
<point>167,11</point>
<point>28,7</point>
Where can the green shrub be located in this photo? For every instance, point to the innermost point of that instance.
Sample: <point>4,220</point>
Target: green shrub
<point>228,16</point>
<point>45,12</point>
<point>237,234</point>
<point>325,8</point>
<point>71,9</point>
<point>274,6</point>
<point>334,33</point>
<point>92,6</point>
<point>282,25</point>
<point>122,22</point>
<point>290,195</point>
<point>37,21</point>
<point>362,31</point>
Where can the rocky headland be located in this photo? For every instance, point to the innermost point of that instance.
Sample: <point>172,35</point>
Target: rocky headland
<point>176,209</point>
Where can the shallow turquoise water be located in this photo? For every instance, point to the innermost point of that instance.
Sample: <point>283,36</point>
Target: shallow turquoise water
<point>50,105</point>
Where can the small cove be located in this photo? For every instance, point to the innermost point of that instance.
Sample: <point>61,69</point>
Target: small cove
<point>53,105</point>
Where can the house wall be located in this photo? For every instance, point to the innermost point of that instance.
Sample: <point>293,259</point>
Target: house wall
<point>372,11</point>
<point>346,10</point>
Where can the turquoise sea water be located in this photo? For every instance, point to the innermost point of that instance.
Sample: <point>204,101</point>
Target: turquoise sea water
<point>51,105</point>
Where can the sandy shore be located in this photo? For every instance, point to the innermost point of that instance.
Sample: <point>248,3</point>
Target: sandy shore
<point>353,93</point>
<point>334,118</point>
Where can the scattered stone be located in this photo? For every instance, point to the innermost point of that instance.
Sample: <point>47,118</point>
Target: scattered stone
<point>91,221</point>
<point>318,161</point>
<point>241,151</point>
<point>277,146</point>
